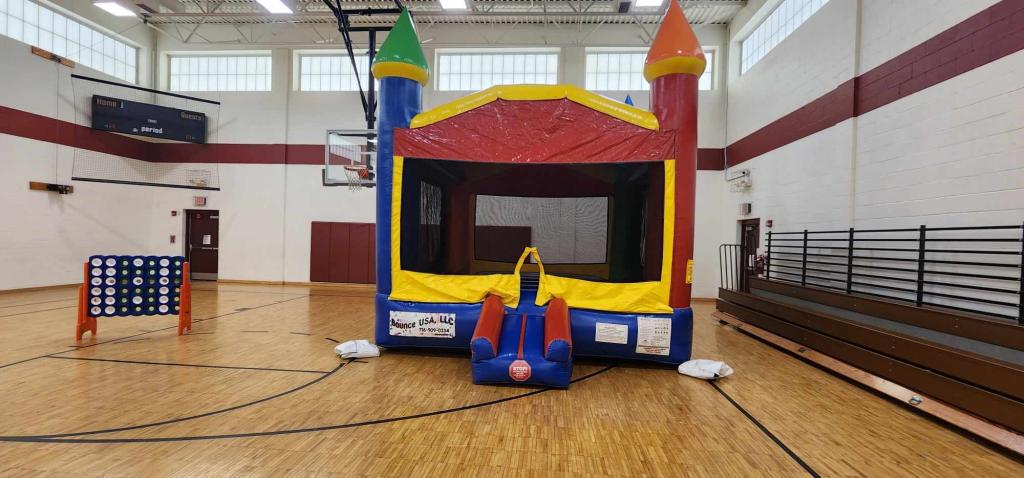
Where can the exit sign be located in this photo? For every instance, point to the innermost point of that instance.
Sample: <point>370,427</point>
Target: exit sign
<point>199,201</point>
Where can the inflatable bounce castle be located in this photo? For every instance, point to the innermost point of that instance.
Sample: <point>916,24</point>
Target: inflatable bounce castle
<point>535,223</point>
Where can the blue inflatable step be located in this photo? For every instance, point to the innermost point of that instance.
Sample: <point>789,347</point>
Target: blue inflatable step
<point>522,348</point>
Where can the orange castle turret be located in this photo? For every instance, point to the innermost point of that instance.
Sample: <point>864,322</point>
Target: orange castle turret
<point>674,64</point>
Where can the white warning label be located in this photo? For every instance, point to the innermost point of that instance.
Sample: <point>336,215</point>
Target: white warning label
<point>612,333</point>
<point>422,324</point>
<point>653,335</point>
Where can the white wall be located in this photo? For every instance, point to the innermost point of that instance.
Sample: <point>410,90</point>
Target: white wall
<point>891,27</point>
<point>946,156</point>
<point>813,60</point>
<point>950,155</point>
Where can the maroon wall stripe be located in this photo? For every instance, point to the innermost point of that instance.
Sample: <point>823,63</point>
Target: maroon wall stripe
<point>43,128</point>
<point>993,33</point>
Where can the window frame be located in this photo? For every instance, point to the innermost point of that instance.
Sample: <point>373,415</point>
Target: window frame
<point>442,52</point>
<point>297,69</point>
<point>108,52</point>
<point>784,18</point>
<point>711,70</point>
<point>232,77</point>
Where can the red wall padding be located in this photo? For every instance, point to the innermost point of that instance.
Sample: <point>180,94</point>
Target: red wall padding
<point>342,252</point>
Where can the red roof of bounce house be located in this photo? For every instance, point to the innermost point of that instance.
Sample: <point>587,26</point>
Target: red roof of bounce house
<point>536,124</point>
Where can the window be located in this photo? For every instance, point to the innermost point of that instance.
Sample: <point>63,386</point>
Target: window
<point>470,71</point>
<point>789,15</point>
<point>52,31</point>
<point>623,70</point>
<point>221,73</point>
<point>332,72</point>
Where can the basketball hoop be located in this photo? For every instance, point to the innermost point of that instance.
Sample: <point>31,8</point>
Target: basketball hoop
<point>357,175</point>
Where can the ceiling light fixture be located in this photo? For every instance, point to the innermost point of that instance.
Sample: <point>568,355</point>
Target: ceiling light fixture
<point>115,9</point>
<point>274,6</point>
<point>454,4</point>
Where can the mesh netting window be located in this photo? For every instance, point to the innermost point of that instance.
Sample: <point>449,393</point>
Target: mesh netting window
<point>565,230</point>
<point>599,222</point>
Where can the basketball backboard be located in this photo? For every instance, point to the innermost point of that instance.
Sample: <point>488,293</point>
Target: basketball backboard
<point>350,158</point>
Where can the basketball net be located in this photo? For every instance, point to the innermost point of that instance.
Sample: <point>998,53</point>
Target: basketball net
<point>356,175</point>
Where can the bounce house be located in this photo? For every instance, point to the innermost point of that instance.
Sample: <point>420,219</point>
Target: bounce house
<point>533,224</point>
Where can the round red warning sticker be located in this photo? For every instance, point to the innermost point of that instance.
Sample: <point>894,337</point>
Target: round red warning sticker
<point>519,370</point>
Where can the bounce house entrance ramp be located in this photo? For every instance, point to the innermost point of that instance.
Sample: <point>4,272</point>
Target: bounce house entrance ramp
<point>522,348</point>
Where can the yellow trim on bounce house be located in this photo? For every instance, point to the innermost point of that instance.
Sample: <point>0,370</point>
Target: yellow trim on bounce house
<point>635,297</point>
<point>402,70</point>
<point>439,288</point>
<point>692,65</point>
<point>572,93</point>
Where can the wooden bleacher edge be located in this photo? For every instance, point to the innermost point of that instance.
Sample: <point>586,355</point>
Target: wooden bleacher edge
<point>931,406</point>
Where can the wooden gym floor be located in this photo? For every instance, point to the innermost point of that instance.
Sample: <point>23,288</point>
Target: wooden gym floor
<point>257,390</point>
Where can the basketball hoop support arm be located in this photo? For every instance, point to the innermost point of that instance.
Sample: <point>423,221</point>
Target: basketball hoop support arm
<point>368,98</point>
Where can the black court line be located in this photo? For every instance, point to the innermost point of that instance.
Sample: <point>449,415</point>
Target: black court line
<point>34,438</point>
<point>257,331</point>
<point>79,347</point>
<point>299,333</point>
<point>379,421</point>
<point>125,341</point>
<point>332,340</point>
<point>767,432</point>
<point>37,303</point>
<point>37,311</point>
<point>172,364</point>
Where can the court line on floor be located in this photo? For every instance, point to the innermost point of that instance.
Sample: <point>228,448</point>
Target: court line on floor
<point>80,347</point>
<point>37,303</point>
<point>172,364</point>
<point>792,454</point>
<point>64,438</point>
<point>37,311</point>
<point>58,436</point>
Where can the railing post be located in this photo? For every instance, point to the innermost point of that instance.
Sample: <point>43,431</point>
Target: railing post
<point>920,265</point>
<point>803,262</point>
<point>768,257</point>
<point>1020,284</point>
<point>849,263</point>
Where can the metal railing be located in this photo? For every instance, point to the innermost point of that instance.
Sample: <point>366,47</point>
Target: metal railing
<point>972,269</point>
<point>735,267</point>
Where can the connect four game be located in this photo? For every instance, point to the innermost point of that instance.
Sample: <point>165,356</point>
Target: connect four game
<point>131,286</point>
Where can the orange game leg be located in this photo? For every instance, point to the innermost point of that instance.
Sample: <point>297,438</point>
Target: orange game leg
<point>185,309</point>
<point>85,322</point>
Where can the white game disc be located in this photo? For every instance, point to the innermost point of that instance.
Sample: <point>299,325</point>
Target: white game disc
<point>164,290</point>
<point>137,281</point>
<point>95,311</point>
<point>96,291</point>
<point>164,281</point>
<point>164,271</point>
<point>110,300</point>
<point>110,291</point>
<point>111,271</point>
<point>111,281</point>
<point>97,271</point>
<point>164,299</point>
<point>111,261</point>
<point>109,310</point>
<point>137,262</point>
<point>162,309</point>
<point>96,301</point>
<point>136,300</point>
<point>164,262</point>
<point>96,262</point>
<point>96,281</point>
